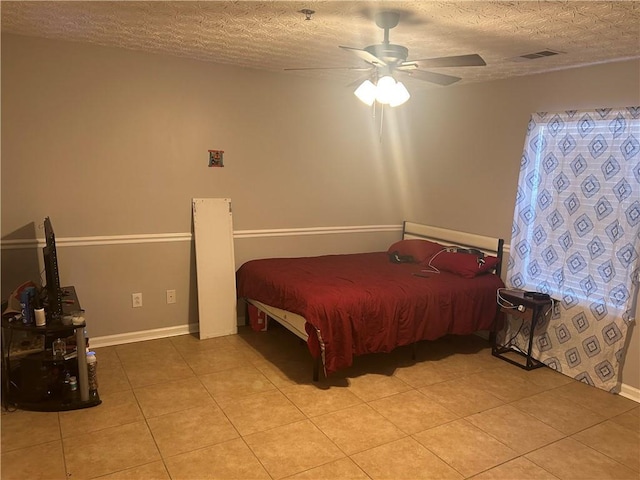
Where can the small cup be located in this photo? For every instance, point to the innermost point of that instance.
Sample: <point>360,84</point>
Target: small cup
<point>67,319</point>
<point>41,318</point>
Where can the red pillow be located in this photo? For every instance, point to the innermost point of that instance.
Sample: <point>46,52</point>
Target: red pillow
<point>463,264</point>
<point>419,250</point>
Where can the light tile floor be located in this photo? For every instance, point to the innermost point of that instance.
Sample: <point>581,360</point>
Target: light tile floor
<point>244,407</point>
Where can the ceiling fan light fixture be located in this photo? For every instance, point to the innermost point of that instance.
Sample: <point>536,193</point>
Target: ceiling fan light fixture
<point>366,92</point>
<point>400,95</point>
<point>385,89</point>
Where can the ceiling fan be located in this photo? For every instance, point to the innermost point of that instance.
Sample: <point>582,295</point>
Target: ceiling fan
<point>384,59</point>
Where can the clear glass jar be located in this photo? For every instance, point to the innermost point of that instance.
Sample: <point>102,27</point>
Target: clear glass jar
<point>59,348</point>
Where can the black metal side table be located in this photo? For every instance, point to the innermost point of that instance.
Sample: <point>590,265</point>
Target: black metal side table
<point>517,304</point>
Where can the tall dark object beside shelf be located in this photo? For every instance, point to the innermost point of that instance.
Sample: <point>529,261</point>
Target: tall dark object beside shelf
<point>32,378</point>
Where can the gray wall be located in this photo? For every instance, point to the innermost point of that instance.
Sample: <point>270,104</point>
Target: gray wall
<point>111,143</point>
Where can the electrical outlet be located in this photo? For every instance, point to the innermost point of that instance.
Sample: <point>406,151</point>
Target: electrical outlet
<point>171,296</point>
<point>136,300</point>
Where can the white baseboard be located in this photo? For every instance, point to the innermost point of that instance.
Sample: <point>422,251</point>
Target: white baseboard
<point>130,337</point>
<point>632,393</point>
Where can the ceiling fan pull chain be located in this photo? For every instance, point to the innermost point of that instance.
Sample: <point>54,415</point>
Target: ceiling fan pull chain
<point>381,120</point>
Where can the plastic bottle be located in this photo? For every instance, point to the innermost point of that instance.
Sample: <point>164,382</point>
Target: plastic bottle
<point>92,371</point>
<point>26,305</point>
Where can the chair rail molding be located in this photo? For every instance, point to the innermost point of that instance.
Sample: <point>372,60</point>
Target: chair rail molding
<point>188,237</point>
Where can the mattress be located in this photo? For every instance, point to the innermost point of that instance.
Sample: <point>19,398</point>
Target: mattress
<point>362,303</point>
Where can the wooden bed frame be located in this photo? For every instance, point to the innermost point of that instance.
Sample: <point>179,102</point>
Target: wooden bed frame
<point>489,245</point>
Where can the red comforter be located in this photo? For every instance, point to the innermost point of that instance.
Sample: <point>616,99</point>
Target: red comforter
<point>363,303</point>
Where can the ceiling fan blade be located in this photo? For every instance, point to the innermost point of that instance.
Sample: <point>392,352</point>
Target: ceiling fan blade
<point>406,66</point>
<point>356,69</point>
<point>359,80</point>
<point>433,77</point>
<point>473,60</point>
<point>364,55</point>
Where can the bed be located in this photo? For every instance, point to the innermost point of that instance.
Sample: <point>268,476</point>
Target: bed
<point>431,283</point>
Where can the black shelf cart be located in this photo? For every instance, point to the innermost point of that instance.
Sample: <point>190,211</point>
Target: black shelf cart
<point>32,378</point>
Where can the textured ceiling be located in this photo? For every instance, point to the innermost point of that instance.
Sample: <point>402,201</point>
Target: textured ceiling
<point>275,35</point>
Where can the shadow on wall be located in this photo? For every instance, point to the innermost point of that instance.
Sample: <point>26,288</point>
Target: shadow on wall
<point>20,263</point>
<point>193,283</point>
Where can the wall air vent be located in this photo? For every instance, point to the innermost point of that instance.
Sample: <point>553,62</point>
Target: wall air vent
<point>532,56</point>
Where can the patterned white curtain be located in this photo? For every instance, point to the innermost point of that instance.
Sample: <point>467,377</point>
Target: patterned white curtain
<point>576,236</point>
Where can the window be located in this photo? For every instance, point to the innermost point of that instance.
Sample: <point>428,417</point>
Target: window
<point>576,235</point>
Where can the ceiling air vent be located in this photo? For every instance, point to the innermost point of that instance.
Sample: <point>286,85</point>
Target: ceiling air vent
<point>532,56</point>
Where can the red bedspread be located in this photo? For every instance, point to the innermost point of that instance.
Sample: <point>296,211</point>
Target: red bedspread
<point>363,303</point>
